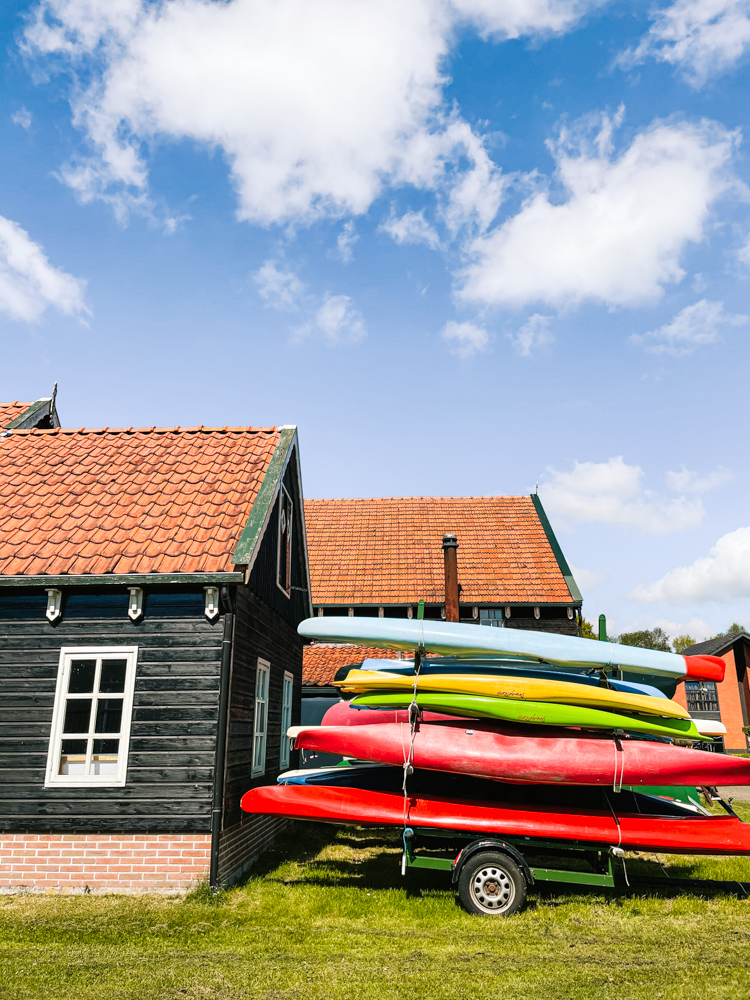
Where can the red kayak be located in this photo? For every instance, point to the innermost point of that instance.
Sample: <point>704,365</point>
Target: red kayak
<point>342,714</point>
<point>598,827</point>
<point>523,754</point>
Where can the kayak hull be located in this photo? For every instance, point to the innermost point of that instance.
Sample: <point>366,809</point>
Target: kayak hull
<point>342,714</point>
<point>459,639</point>
<point>520,754</point>
<point>536,713</point>
<point>516,689</point>
<point>356,806</point>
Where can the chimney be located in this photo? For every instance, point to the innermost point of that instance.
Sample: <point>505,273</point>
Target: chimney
<point>450,559</point>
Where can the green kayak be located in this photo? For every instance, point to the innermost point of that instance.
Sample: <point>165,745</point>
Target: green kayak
<point>540,713</point>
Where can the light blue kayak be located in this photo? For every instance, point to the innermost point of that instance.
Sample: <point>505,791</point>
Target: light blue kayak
<point>466,641</point>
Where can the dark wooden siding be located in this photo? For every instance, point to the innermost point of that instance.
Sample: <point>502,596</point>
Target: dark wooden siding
<point>173,734</point>
<point>263,576</point>
<point>259,631</point>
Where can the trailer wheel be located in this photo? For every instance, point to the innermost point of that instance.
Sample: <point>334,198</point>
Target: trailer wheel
<point>491,884</point>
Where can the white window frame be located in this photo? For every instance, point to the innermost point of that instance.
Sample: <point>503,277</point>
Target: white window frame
<point>287,705</point>
<point>67,655</point>
<point>287,555</point>
<point>260,733</point>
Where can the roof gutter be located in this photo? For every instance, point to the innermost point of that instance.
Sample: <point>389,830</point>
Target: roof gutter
<point>121,579</point>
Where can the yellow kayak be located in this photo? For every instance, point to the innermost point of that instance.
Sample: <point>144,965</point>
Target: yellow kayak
<point>516,689</point>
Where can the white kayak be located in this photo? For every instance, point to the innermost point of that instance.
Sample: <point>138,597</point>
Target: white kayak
<point>463,640</point>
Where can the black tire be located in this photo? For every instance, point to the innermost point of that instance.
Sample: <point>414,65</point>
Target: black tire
<point>491,884</point>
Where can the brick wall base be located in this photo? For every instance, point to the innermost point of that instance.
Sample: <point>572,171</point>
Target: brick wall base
<point>103,862</point>
<point>240,845</point>
<point>130,862</point>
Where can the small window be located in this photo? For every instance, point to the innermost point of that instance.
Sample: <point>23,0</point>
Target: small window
<point>286,716</point>
<point>284,567</point>
<point>702,696</point>
<point>492,616</point>
<point>91,718</point>
<point>260,726</point>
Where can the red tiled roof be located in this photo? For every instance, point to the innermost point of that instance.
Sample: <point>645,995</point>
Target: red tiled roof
<point>128,501</point>
<point>9,411</point>
<point>321,661</point>
<point>389,551</point>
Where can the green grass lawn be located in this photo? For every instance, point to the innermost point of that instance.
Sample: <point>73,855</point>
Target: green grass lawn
<point>327,915</point>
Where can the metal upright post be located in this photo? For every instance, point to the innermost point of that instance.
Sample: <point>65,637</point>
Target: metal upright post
<point>602,628</point>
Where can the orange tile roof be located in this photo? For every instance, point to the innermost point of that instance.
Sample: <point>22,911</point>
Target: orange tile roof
<point>389,551</point>
<point>9,411</point>
<point>128,501</point>
<point>320,661</point>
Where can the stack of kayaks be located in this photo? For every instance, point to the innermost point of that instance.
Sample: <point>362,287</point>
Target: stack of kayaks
<point>505,731</point>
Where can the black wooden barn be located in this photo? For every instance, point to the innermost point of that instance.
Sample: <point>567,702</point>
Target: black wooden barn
<point>151,582</point>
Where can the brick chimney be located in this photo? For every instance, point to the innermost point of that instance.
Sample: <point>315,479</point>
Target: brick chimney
<point>450,560</point>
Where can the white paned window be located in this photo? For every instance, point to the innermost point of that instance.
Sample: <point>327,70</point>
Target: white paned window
<point>260,727</point>
<point>286,716</point>
<point>91,719</point>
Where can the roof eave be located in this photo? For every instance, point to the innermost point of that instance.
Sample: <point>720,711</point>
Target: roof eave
<point>248,545</point>
<point>122,579</point>
<point>562,562</point>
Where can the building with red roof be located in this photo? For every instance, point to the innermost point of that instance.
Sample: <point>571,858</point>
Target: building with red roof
<point>151,583</point>
<point>381,556</point>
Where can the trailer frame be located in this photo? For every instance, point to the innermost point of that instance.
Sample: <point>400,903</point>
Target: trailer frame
<point>607,863</point>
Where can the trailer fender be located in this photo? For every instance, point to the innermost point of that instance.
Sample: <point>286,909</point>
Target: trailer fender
<point>491,845</point>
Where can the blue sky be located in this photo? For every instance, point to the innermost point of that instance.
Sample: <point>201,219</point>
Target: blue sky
<point>467,246</point>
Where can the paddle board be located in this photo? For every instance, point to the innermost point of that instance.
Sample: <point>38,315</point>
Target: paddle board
<point>670,834</point>
<point>472,640</point>
<point>516,688</point>
<point>525,754</point>
<point>538,713</point>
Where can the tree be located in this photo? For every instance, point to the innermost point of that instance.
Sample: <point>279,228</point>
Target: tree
<point>655,638</point>
<point>587,630</point>
<point>733,629</point>
<point>681,642</point>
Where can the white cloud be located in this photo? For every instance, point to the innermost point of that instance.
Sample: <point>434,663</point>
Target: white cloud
<point>29,284</point>
<point>338,320</point>
<point>618,236</point>
<point>345,242</point>
<point>315,106</point>
<point>585,578</point>
<point>723,575</point>
<point>534,333</point>
<point>334,317</point>
<point>513,18</point>
<point>412,227</point>
<point>699,37</point>
<point>278,289</point>
<point>692,327</point>
<point>687,481</point>
<point>465,339</point>
<point>612,492</point>
<point>21,117</point>
<point>695,627</point>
